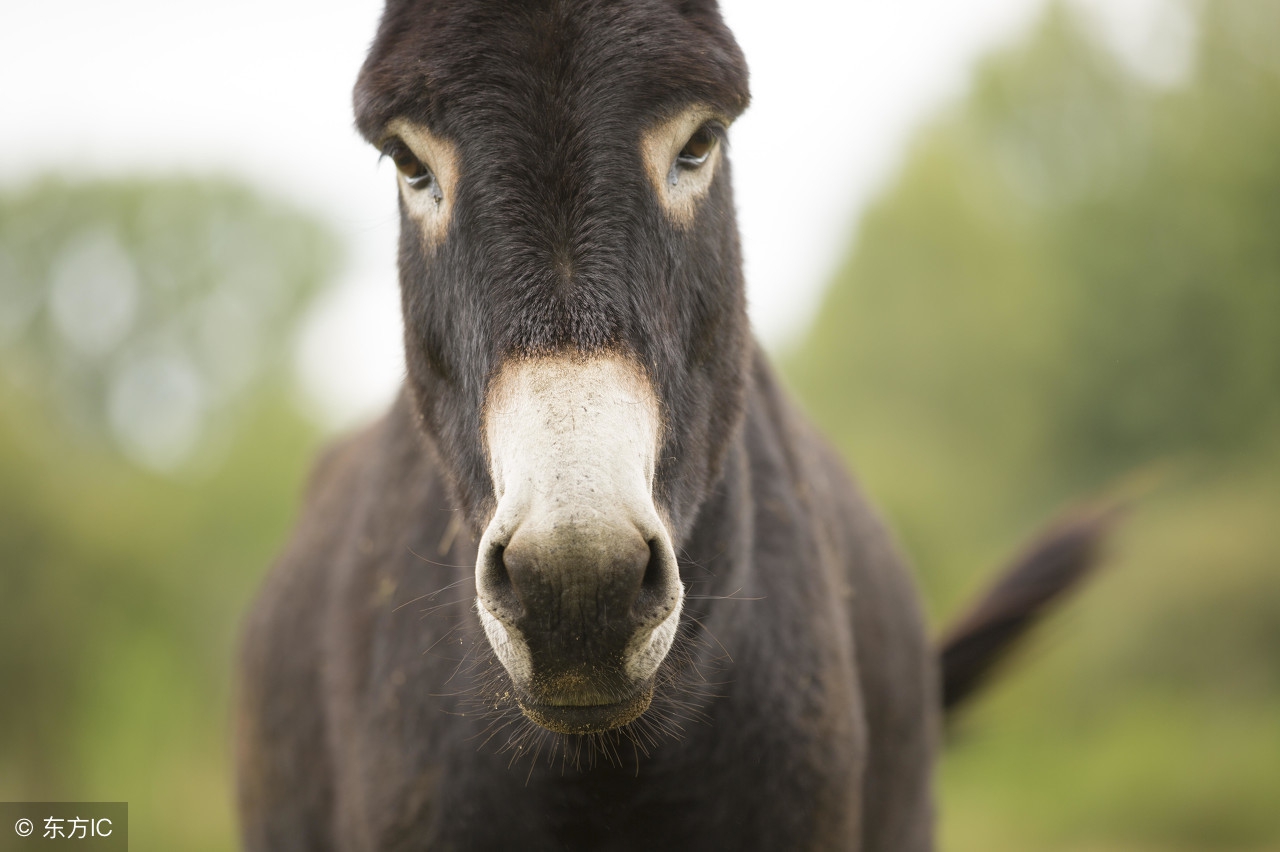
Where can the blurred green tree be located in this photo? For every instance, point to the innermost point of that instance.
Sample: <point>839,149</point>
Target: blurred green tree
<point>1074,267</point>
<point>149,459</point>
<point>1075,274</point>
<point>149,312</point>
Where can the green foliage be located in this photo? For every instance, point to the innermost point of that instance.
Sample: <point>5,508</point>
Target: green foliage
<point>1076,275</point>
<point>148,312</point>
<point>130,551</point>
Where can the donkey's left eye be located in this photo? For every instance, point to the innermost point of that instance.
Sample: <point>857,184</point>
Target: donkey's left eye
<point>415,172</point>
<point>699,147</point>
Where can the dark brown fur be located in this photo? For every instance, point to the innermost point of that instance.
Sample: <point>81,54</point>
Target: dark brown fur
<point>800,705</point>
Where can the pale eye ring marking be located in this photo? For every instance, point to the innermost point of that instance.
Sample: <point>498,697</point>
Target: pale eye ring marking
<point>681,153</point>
<point>427,171</point>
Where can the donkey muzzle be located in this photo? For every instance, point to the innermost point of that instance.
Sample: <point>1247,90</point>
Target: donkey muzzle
<point>578,586</point>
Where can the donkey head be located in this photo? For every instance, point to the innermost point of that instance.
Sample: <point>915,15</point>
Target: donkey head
<point>575,327</point>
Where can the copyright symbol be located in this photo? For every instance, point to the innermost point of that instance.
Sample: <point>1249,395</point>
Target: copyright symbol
<point>24,827</point>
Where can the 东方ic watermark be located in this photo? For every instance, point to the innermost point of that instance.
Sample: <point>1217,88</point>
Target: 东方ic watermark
<point>87,826</point>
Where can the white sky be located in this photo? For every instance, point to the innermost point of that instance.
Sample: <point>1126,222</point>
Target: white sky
<point>260,89</point>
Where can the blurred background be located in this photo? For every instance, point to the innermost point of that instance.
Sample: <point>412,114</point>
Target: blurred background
<point>1032,257</point>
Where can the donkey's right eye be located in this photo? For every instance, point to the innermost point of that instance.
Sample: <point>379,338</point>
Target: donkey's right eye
<point>415,172</point>
<point>696,151</point>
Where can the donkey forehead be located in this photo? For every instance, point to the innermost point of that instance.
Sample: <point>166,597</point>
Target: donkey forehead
<point>485,67</point>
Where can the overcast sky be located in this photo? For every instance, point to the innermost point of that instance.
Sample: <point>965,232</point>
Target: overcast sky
<point>260,90</point>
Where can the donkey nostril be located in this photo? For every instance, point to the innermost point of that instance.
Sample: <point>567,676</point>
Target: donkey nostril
<point>654,575</point>
<point>607,578</point>
<point>498,569</point>
<point>497,589</point>
<point>656,598</point>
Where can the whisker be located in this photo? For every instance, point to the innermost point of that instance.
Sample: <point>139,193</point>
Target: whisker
<point>433,594</point>
<point>732,596</point>
<point>433,562</point>
<point>443,636</point>
<point>698,621</point>
<point>431,609</point>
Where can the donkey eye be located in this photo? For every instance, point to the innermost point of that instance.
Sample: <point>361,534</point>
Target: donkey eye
<point>698,148</point>
<point>415,172</point>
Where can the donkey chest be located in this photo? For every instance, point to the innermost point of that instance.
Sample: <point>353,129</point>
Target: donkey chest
<point>759,798</point>
<point>760,773</point>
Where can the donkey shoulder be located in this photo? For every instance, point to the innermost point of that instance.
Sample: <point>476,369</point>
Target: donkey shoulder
<point>894,657</point>
<point>284,766</point>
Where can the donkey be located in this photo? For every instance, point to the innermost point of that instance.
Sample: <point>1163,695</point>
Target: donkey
<point>592,582</point>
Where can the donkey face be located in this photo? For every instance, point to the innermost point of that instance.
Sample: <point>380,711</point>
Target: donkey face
<point>575,328</point>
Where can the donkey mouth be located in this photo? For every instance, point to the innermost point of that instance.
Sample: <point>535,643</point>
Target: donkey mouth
<point>587,718</point>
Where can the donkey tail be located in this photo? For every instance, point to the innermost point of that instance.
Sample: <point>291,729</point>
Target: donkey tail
<point>1054,564</point>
